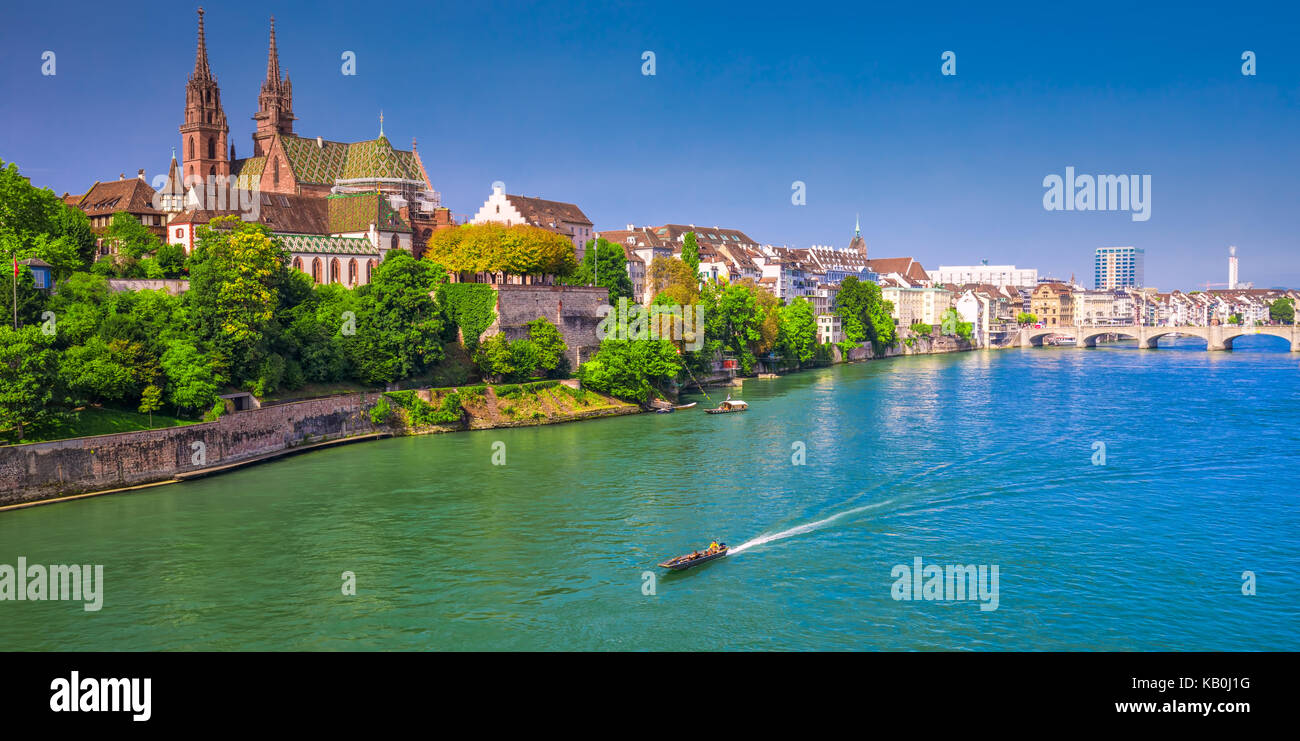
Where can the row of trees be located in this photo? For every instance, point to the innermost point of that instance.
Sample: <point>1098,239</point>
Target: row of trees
<point>520,249</point>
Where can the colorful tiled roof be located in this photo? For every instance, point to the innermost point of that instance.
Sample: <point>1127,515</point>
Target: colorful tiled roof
<point>248,172</point>
<point>310,243</point>
<point>355,212</point>
<point>324,162</point>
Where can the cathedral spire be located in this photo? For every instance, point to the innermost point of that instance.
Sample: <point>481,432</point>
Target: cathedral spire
<point>857,225</point>
<point>272,62</point>
<point>201,69</point>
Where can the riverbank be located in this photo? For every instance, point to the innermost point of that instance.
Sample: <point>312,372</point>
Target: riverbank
<point>61,470</point>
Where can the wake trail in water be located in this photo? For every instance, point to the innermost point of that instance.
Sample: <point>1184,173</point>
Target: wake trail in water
<point>801,529</point>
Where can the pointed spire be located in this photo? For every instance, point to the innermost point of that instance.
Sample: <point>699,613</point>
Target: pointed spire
<point>857,225</point>
<point>201,69</point>
<point>381,122</point>
<point>272,62</point>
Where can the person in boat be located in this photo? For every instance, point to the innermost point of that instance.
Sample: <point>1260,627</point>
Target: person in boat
<point>714,547</point>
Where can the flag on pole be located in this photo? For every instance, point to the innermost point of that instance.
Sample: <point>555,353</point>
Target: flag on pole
<point>15,267</point>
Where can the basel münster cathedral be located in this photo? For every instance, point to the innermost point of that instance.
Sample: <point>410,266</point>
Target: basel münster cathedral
<point>336,207</point>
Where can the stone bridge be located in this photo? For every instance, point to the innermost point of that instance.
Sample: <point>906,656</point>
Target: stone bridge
<point>1217,337</point>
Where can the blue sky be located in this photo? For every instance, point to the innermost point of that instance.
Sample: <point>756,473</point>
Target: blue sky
<point>746,99</point>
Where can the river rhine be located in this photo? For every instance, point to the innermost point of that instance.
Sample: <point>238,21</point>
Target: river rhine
<point>986,458</point>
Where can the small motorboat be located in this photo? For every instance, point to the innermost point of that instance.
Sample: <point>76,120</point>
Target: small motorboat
<point>728,406</point>
<point>686,406</point>
<point>694,559</point>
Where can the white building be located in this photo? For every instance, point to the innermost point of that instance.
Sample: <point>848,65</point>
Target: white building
<point>993,275</point>
<point>556,216</point>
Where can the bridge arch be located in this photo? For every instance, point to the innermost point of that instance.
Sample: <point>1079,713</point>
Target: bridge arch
<point>1092,334</point>
<point>1282,333</point>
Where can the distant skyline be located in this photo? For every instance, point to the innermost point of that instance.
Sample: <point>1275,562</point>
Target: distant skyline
<point>745,101</point>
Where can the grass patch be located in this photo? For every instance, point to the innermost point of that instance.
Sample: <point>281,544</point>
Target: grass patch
<point>106,421</point>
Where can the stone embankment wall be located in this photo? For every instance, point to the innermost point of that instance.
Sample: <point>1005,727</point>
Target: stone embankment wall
<point>42,470</point>
<point>571,308</point>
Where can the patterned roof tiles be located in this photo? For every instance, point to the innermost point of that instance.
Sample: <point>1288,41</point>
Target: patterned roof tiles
<point>324,162</point>
<point>355,212</point>
<point>312,243</point>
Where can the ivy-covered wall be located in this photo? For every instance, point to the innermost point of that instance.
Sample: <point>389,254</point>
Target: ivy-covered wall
<point>472,306</point>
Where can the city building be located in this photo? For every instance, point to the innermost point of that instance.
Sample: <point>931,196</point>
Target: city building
<point>555,216</point>
<point>125,195</point>
<point>1118,267</point>
<point>1053,304</point>
<point>1232,268</point>
<point>996,275</point>
<point>829,329</point>
<point>917,304</point>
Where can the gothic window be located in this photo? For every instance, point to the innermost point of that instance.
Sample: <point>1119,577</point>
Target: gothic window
<point>315,269</point>
<point>212,148</point>
<point>393,242</point>
<point>275,173</point>
<point>212,171</point>
<point>297,264</point>
<point>370,267</point>
<point>352,271</point>
<point>191,153</point>
<point>334,271</point>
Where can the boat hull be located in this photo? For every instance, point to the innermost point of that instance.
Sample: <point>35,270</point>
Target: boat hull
<point>682,563</point>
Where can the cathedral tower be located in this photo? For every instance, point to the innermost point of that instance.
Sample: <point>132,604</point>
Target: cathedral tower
<point>203,135</point>
<point>274,103</point>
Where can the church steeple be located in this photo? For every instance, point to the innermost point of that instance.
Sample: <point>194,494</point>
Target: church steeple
<point>203,135</point>
<point>858,244</point>
<point>274,103</point>
<point>272,62</point>
<point>201,69</point>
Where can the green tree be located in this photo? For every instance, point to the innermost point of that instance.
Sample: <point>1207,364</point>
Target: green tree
<point>130,237</point>
<point>1025,317</point>
<point>798,333</point>
<point>865,315</point>
<point>630,369</point>
<point>611,272</point>
<point>150,402</point>
<point>732,322</point>
<point>1282,310</point>
<point>400,326</point>
<point>691,253</point>
<point>236,271</point>
<point>191,378</point>
<point>550,347</point>
<point>28,374</point>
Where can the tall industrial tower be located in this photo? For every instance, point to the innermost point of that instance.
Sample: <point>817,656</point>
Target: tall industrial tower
<point>1232,268</point>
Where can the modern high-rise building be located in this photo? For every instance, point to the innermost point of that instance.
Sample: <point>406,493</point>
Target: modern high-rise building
<point>1232,268</point>
<point>1118,267</point>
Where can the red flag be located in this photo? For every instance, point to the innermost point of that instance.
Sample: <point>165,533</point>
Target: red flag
<point>15,267</point>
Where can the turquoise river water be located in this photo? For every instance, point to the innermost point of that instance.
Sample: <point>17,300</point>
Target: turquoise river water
<point>986,458</point>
